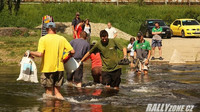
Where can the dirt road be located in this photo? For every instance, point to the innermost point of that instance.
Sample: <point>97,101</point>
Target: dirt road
<point>179,50</point>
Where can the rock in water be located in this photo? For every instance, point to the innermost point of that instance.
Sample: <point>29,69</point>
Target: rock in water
<point>176,58</point>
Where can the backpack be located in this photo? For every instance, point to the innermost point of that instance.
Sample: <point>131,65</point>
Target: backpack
<point>28,70</point>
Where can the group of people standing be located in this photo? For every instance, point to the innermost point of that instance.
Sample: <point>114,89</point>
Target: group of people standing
<point>105,68</point>
<point>103,54</point>
<point>79,25</point>
<point>140,49</point>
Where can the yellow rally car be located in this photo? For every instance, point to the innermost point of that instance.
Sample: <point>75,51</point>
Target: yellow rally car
<point>185,27</point>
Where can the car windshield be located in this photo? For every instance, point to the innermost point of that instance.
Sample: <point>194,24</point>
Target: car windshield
<point>152,23</point>
<point>190,22</point>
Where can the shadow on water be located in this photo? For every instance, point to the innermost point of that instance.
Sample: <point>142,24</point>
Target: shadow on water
<point>174,84</point>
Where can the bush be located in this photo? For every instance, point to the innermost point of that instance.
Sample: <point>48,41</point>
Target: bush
<point>17,33</point>
<point>26,34</point>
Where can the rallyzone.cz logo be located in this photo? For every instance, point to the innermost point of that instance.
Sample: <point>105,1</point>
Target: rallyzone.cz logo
<point>169,108</point>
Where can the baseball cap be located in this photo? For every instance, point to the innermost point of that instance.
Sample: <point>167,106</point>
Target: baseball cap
<point>51,25</point>
<point>139,34</point>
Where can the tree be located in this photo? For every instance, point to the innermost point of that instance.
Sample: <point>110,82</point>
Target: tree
<point>10,6</point>
<point>1,5</point>
<point>140,2</point>
<point>17,6</point>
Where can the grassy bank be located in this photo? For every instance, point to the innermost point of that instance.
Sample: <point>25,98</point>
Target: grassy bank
<point>125,17</point>
<point>12,49</point>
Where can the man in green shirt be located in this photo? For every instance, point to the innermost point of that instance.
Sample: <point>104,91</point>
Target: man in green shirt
<point>142,51</point>
<point>157,40</point>
<point>111,71</point>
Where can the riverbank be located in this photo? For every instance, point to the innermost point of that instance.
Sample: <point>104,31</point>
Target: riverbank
<point>175,51</point>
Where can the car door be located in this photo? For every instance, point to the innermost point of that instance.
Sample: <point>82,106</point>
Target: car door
<point>179,28</point>
<point>174,27</point>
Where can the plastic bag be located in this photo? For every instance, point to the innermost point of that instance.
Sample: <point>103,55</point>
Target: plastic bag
<point>28,70</point>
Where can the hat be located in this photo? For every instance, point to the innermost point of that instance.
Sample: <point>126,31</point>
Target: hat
<point>77,13</point>
<point>51,25</point>
<point>139,34</point>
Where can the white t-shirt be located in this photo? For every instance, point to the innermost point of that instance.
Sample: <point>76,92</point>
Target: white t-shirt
<point>87,30</point>
<point>130,47</point>
<point>111,32</point>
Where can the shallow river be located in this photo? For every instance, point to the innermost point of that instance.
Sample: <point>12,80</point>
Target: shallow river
<point>165,84</point>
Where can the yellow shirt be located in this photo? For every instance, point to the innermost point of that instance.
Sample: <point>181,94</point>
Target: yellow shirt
<point>52,46</point>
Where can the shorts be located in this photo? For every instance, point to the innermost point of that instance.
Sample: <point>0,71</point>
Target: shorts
<point>52,79</point>
<point>156,43</point>
<point>77,75</point>
<point>96,74</point>
<point>141,66</point>
<point>111,78</point>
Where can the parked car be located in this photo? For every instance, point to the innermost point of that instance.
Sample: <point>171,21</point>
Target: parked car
<point>185,27</point>
<point>147,26</point>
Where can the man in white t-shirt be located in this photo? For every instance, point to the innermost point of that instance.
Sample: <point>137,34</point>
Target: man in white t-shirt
<point>112,33</point>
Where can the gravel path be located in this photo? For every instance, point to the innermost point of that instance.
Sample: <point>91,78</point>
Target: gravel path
<point>65,27</point>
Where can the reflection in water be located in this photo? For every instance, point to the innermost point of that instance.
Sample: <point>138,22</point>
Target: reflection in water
<point>96,108</point>
<point>141,79</point>
<point>134,78</point>
<point>162,85</point>
<point>53,105</point>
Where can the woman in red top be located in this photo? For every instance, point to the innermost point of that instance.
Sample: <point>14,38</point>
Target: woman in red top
<point>78,30</point>
<point>96,65</point>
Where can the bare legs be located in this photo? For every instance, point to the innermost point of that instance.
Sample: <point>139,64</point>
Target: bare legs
<point>49,91</point>
<point>57,93</point>
<point>160,51</point>
<point>144,71</point>
<point>153,51</point>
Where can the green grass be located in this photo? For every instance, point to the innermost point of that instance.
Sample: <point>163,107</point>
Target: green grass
<point>12,49</point>
<point>125,17</point>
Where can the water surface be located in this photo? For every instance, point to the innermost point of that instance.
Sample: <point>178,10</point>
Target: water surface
<point>174,84</point>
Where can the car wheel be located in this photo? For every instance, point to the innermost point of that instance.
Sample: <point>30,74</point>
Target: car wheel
<point>147,34</point>
<point>182,34</point>
<point>169,37</point>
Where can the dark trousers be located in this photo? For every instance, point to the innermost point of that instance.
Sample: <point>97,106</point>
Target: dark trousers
<point>111,78</point>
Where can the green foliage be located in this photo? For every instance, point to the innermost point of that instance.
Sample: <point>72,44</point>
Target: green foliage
<point>127,18</point>
<point>17,6</point>
<point>10,4</point>
<point>1,5</point>
<point>26,34</point>
<point>191,13</point>
<point>12,53</point>
<point>198,18</point>
<point>140,2</point>
<point>17,33</point>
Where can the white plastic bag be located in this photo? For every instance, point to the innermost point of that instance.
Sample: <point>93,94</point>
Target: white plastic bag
<point>28,71</point>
